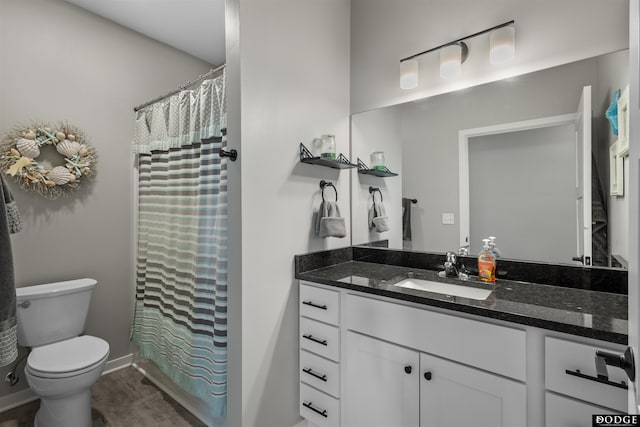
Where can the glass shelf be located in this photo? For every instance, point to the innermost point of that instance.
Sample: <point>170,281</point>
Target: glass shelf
<point>382,173</point>
<point>340,163</point>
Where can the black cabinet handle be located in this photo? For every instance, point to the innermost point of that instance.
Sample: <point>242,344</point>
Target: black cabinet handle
<point>408,369</point>
<point>313,374</point>
<point>321,307</point>
<point>314,339</point>
<point>579,374</point>
<point>427,375</point>
<point>316,410</point>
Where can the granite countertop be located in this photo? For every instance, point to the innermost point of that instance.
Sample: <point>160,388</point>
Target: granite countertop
<point>588,313</point>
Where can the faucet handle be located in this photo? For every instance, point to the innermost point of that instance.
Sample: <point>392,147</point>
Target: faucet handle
<point>452,257</point>
<point>463,250</point>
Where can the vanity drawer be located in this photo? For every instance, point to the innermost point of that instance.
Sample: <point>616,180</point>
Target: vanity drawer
<point>320,304</point>
<point>566,412</point>
<point>562,356</point>
<point>494,348</point>
<point>318,407</point>
<point>320,338</point>
<point>320,373</point>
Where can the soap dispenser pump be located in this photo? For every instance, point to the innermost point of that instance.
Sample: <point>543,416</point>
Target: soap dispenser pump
<point>487,263</point>
<point>493,247</point>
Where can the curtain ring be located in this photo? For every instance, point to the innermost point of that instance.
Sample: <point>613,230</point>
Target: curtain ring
<point>324,184</point>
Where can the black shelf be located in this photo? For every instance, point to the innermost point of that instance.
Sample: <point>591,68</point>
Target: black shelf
<point>340,163</point>
<point>364,169</point>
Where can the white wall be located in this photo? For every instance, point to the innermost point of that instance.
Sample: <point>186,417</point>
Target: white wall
<point>377,130</point>
<point>548,33</point>
<point>293,66</point>
<point>59,62</point>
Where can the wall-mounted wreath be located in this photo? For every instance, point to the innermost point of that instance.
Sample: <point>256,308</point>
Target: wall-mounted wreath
<point>22,146</point>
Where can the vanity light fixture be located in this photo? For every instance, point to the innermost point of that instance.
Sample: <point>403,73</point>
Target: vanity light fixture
<point>453,54</point>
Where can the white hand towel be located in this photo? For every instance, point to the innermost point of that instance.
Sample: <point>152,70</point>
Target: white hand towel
<point>329,223</point>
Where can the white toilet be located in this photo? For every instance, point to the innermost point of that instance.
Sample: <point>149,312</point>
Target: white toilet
<point>62,365</point>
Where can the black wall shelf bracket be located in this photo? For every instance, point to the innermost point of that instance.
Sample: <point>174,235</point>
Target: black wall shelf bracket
<point>382,173</point>
<point>341,162</point>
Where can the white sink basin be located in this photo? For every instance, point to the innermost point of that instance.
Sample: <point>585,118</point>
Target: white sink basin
<point>445,288</point>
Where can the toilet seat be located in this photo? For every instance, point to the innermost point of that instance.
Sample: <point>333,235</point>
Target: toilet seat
<point>67,358</point>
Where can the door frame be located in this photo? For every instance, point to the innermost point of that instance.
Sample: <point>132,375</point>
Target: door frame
<point>465,135</point>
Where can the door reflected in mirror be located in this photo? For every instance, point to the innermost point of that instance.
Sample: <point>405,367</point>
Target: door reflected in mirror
<point>535,174</point>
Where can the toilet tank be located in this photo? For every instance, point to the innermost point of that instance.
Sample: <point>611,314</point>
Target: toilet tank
<point>52,312</point>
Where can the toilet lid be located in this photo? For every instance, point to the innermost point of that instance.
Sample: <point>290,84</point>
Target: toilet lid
<point>68,355</point>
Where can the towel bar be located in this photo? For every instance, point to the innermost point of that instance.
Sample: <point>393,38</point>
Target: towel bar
<point>324,184</point>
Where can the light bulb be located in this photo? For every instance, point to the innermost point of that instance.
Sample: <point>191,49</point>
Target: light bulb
<point>450,61</point>
<point>409,74</point>
<point>502,45</point>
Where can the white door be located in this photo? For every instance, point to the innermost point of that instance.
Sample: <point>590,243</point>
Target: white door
<point>382,387</point>
<point>583,176</point>
<point>456,395</point>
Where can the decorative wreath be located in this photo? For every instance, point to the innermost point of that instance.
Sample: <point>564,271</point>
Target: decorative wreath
<point>22,146</point>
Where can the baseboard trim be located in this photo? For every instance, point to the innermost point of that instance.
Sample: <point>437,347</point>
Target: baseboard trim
<point>16,399</point>
<point>119,363</point>
<point>25,396</point>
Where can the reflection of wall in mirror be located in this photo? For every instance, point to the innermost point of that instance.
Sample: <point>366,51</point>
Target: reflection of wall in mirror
<point>613,74</point>
<point>522,190</point>
<point>377,130</point>
<point>429,131</point>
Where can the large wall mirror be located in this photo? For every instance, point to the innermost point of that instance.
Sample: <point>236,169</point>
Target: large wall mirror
<point>527,159</point>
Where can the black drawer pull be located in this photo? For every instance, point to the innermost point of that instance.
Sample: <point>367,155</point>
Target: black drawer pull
<point>313,374</point>
<point>321,307</point>
<point>427,376</point>
<point>314,339</point>
<point>579,374</point>
<point>316,410</point>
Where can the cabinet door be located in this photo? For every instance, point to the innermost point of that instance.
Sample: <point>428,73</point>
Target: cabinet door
<point>381,384</point>
<point>453,395</point>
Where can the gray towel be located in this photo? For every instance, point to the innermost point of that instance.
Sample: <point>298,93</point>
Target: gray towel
<point>406,218</point>
<point>329,223</point>
<point>378,217</point>
<point>9,223</point>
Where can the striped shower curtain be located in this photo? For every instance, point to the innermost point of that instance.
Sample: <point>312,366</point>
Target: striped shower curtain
<point>180,320</point>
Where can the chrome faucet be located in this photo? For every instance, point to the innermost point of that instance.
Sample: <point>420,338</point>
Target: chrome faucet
<point>451,265</point>
<point>464,250</point>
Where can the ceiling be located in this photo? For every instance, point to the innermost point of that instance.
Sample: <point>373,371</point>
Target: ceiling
<point>193,26</point>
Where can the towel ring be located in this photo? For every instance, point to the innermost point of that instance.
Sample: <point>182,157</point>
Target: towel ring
<point>324,184</point>
<point>373,191</point>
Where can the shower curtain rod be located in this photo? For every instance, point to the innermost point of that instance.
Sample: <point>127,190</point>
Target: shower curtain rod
<point>210,73</point>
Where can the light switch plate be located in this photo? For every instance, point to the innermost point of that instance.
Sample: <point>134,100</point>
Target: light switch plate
<point>448,219</point>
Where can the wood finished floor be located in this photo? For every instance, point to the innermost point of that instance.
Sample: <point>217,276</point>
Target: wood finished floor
<point>122,398</point>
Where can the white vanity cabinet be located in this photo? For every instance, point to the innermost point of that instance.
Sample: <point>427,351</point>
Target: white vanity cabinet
<point>319,337</point>
<point>371,361</point>
<point>573,392</point>
<point>402,368</point>
<point>390,385</point>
